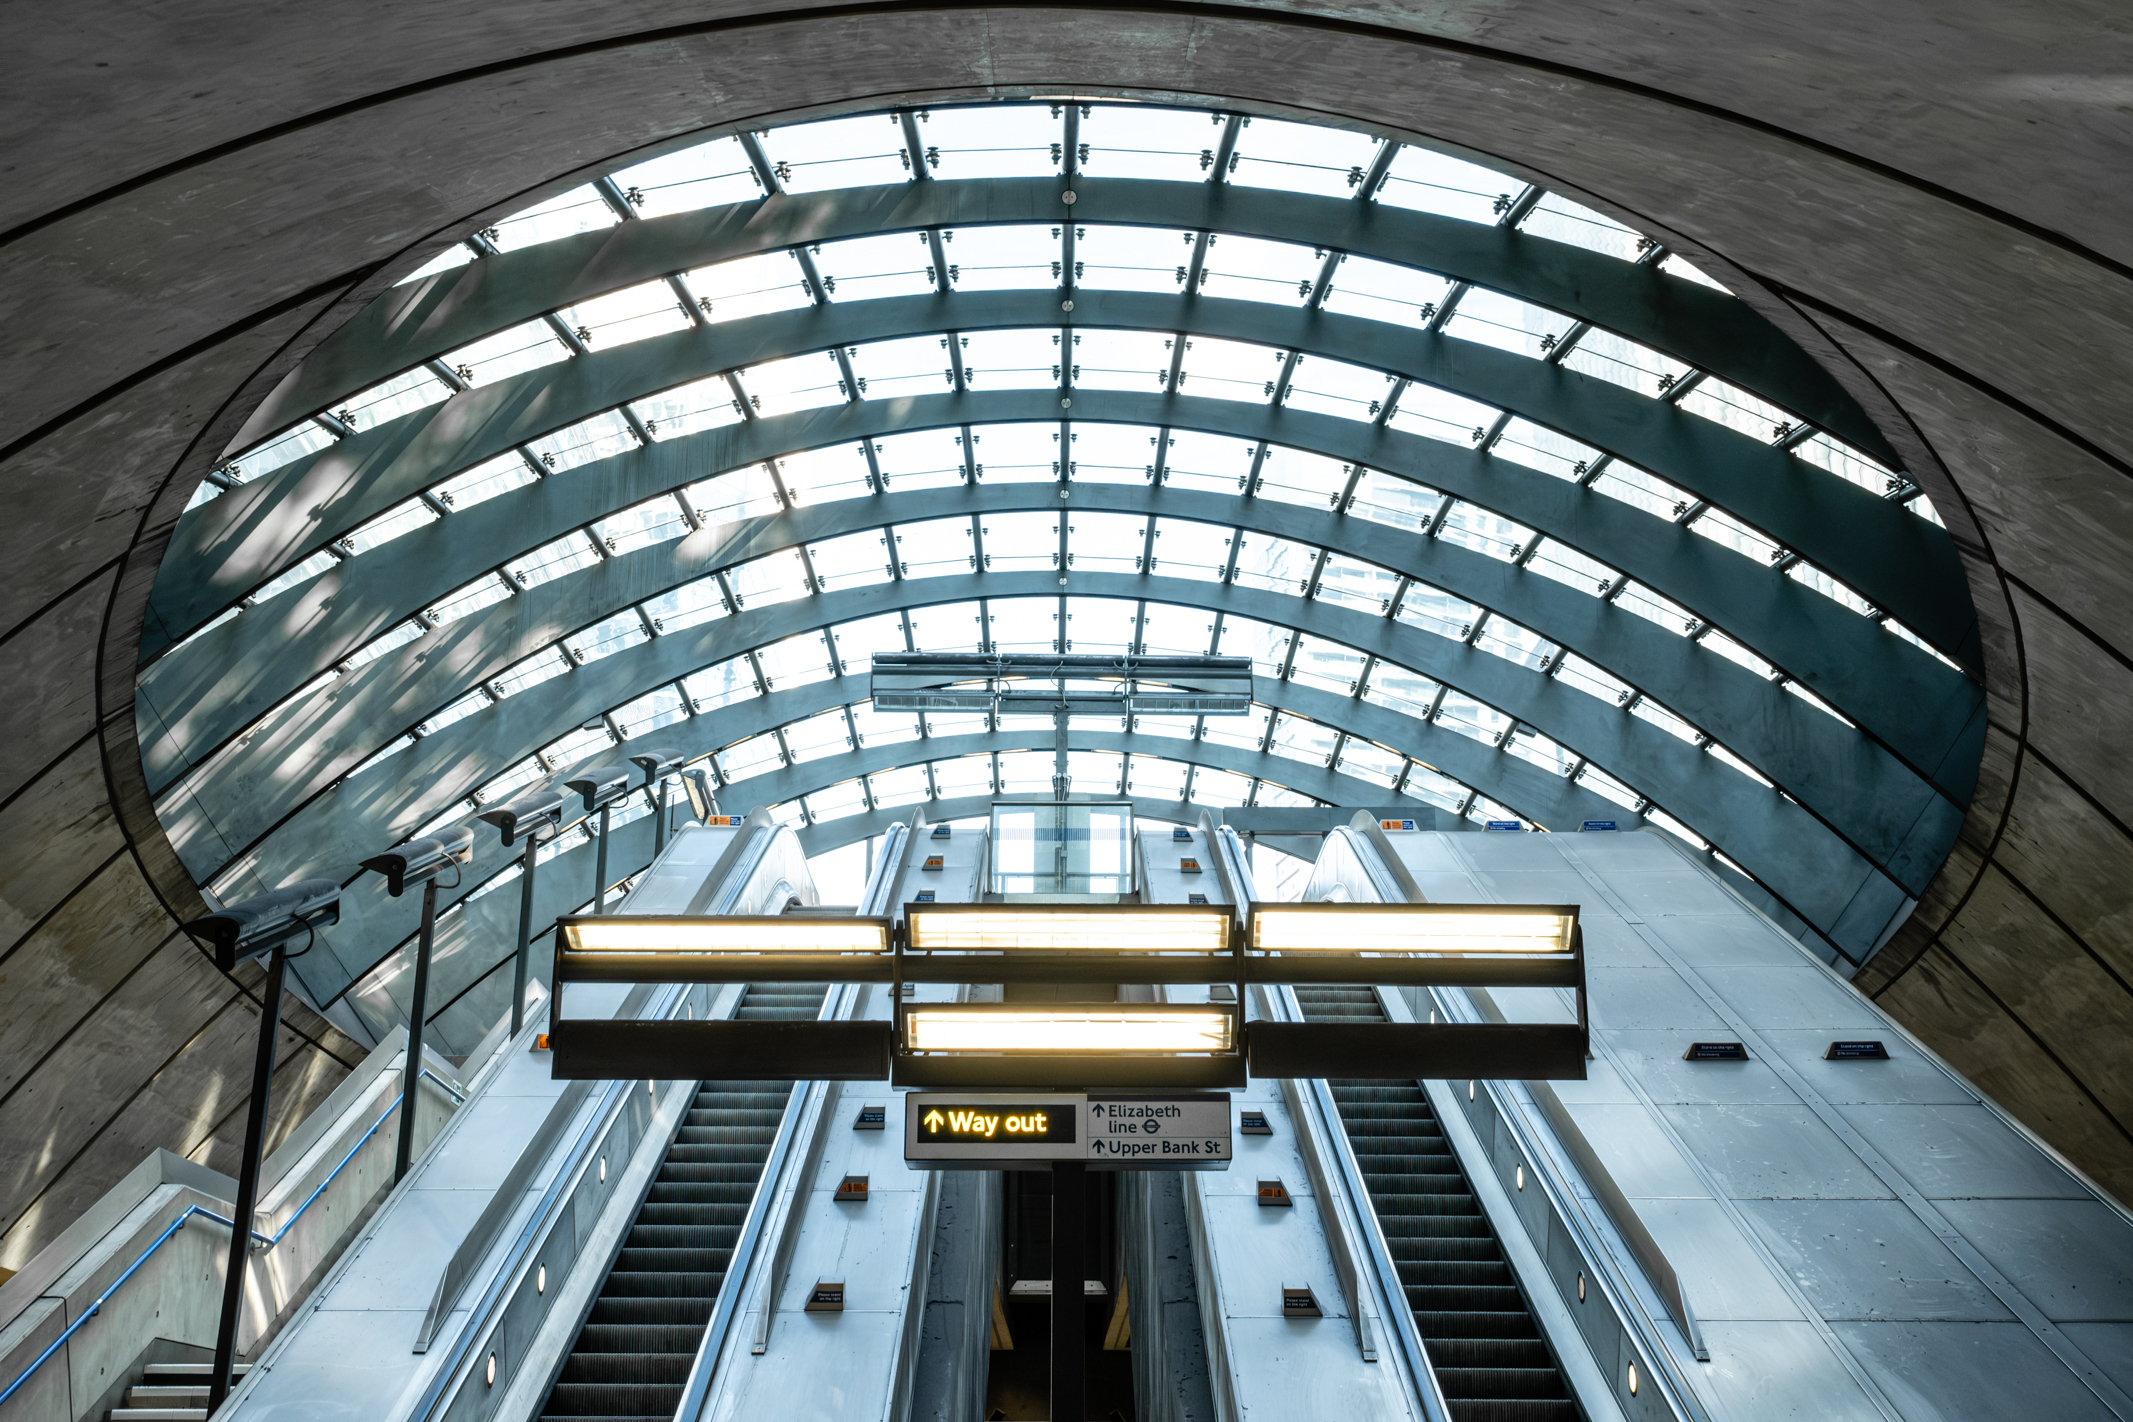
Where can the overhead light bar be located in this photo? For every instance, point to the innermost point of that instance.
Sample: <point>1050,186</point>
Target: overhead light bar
<point>1058,928</point>
<point>617,933</point>
<point>1400,929</point>
<point>1109,685</point>
<point>1095,1030</point>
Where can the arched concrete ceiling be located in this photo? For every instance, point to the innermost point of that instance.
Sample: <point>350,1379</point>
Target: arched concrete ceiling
<point>1926,198</point>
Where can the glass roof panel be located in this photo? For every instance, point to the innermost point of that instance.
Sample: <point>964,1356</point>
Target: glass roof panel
<point>1568,566</point>
<point>1471,526</point>
<point>821,476</point>
<point>1660,611</point>
<point>1720,527</point>
<point>721,684</point>
<point>836,801</point>
<point>1393,501</point>
<point>1677,265</point>
<point>1506,322</point>
<point>802,382</point>
<point>402,518</point>
<point>1011,360</point>
<point>1593,681</point>
<point>376,647</point>
<point>579,210</point>
<point>1265,644</point>
<point>1515,644</point>
<point>838,153</point>
<point>1334,387</point>
<point>1246,732</point>
<point>747,492</point>
<point>485,591</point>
<point>855,560</point>
<point>1736,409</point>
<point>945,627</point>
<point>1641,490</point>
<point>857,641</point>
<point>1381,291</point>
<point>1300,739</point>
<point>1253,269</point>
<point>956,723</point>
<point>1302,158</point>
<point>1274,564</point>
<point>752,756</point>
<point>1191,550</point>
<point>894,789</point>
<point>403,394</point>
<point>1327,665</point>
<point>1622,361</point>
<point>1025,773</point>
<point>1025,624</point>
<point>450,259</point>
<point>603,639</point>
<point>653,521</point>
<point>1435,610</point>
<point>817,736</point>
<point>1652,712</point>
<point>1100,625</point>
<point>700,405</point>
<point>302,573</point>
<point>604,435</point>
<point>1105,542</point>
<point>1367,760</point>
<point>1121,360</point>
<point>1847,463</point>
<point>1002,258</point>
<point>963,775</point>
<point>914,365</point>
<point>1113,454</point>
<point>768,580</point>
<point>1351,582</point>
<point>1179,728</point>
<point>870,268</point>
<point>1021,542</point>
<point>1561,220</point>
<point>1096,772</point>
<point>1168,630</point>
<point>1438,414</point>
<point>1524,442</point>
<point>1219,789</point>
<point>1153,778</point>
<point>934,547</point>
<point>1217,464</point>
<point>883,728</point>
<point>632,314</point>
<point>521,348</point>
<point>1018,454</point>
<point>1118,258</point>
<point>799,660</point>
<point>1142,141</point>
<point>486,480</point>
<point>1008,140</point>
<point>1229,370</point>
<point>707,175</point>
<point>542,666</point>
<point>1398,689</point>
<point>749,286</point>
<point>922,459</point>
<point>662,706</point>
<point>1473,719</point>
<point>1433,182</point>
<point>553,560</point>
<point>1294,476</point>
<point>1432,787</point>
<point>285,448</point>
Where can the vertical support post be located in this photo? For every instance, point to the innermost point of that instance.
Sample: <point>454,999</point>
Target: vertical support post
<point>1070,1311</point>
<point>600,866</point>
<point>659,826</point>
<point>255,1130</point>
<point>411,1074</point>
<point>525,935</point>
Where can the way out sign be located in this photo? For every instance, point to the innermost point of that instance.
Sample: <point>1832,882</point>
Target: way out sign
<point>1109,1130</point>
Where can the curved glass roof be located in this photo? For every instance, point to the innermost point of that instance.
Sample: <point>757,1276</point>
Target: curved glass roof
<point>1518,514</point>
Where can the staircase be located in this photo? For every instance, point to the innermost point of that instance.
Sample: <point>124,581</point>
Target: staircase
<point>632,1358</point>
<point>169,1392</point>
<point>1485,1348</point>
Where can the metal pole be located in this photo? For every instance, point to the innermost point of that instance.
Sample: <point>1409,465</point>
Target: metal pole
<point>600,867</point>
<point>412,1072</point>
<point>255,1130</point>
<point>525,936</point>
<point>659,826</point>
<point>1070,1311</point>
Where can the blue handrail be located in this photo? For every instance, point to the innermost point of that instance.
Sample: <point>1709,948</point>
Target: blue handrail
<point>269,1241</point>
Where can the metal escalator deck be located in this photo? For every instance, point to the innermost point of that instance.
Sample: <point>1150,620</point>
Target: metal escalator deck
<point>1483,1344</point>
<point>632,1358</point>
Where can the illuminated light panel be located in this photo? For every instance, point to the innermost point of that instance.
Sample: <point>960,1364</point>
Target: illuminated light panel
<point>1050,928</point>
<point>1095,1030</point>
<point>623,934</point>
<point>1410,928</point>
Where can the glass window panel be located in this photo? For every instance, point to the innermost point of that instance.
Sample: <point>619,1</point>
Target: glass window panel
<point>838,153</point>
<point>1564,564</point>
<point>1253,269</point>
<point>1471,526</point>
<point>799,660</point>
<point>1334,387</point>
<point>1011,360</point>
<point>1096,772</point>
<point>1219,789</point>
<point>1367,760</point>
<point>1719,753</point>
<point>1736,409</point>
<point>1178,728</point>
<point>700,405</point>
<point>870,268</point>
<point>405,518</point>
<point>1720,527</point>
<point>1024,624</point>
<point>750,757</point>
<point>1433,787</point>
<point>1829,587</point>
<point>1295,477</point>
<point>1655,609</point>
<point>653,521</point>
<point>1229,370</point>
<point>1524,442</point>
<point>1622,361</point>
<point>893,789</point>
<point>1105,542</point>
<point>451,258</point>
<point>721,684</point>
<point>1641,490</point>
<point>817,736</point>
<point>1435,610</point>
<point>913,365</point>
<point>1008,257</point>
<point>1793,688</point>
<point>1300,739</point>
<point>398,745</point>
<point>1246,732</point>
<point>1266,644</point>
<point>923,459</point>
<point>1153,778</point>
<point>1217,464</point>
<point>708,175</point>
<point>1099,624</point>
<point>837,801</point>
<point>541,666</point>
<point>963,775</point>
<point>485,591</point>
<point>286,448</point>
<point>1473,719</point>
<point>1600,783</point>
<point>1432,182</point>
<point>1560,220</point>
<point>856,560</point>
<point>1327,665</point>
<point>632,314</point>
<point>507,353</point>
<point>603,639</point>
<point>377,647</point>
<point>1113,454</point>
<point>1381,291</point>
<point>749,286</point>
<point>1019,454</point>
<point>747,492</point>
<point>859,640</point>
<point>956,723</point>
<point>1140,141</point>
<point>1191,550</point>
<point>1515,643</point>
<point>204,493</point>
<point>458,711</point>
<point>1590,679</point>
<point>604,435</point>
<point>804,382</point>
<point>552,560</point>
<point>934,547</point>
<point>1493,319</point>
<point>1280,797</point>
<point>1677,265</point>
<point>1303,158</point>
<point>1394,501</point>
<point>690,605</point>
<point>1133,258</point>
<point>883,728</point>
<point>1438,414</point>
<point>403,394</point>
<point>947,627</point>
<point>1021,542</point>
<point>1672,826</point>
<point>1026,773</point>
<point>508,784</point>
<point>768,580</point>
<point>579,210</point>
<point>657,708</point>
<point>994,141</point>
<point>1171,630</point>
<point>1398,689</point>
<point>1274,564</point>
<point>1848,464</point>
<point>1652,712</point>
<point>302,573</point>
<point>1734,652</point>
<point>1121,360</point>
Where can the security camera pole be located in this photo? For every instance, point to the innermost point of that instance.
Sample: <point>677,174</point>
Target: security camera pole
<point>601,788</point>
<point>420,859</point>
<point>242,931</point>
<point>657,765</point>
<point>528,817</point>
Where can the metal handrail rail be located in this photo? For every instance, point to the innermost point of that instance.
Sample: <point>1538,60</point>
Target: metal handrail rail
<point>259,1241</point>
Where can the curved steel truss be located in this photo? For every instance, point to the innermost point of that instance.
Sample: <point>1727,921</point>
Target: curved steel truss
<point>1516,516</point>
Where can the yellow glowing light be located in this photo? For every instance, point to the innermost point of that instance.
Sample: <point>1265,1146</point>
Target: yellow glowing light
<point>1095,1030</point>
<point>1408,928</point>
<point>622,934</point>
<point>1065,928</point>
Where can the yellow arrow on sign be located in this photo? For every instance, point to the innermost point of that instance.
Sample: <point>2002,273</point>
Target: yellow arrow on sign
<point>933,1120</point>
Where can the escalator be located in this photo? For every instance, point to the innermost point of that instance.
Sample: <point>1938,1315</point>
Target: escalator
<point>632,1357</point>
<point>1483,1342</point>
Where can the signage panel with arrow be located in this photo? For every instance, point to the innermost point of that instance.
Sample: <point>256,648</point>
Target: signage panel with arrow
<point>1109,1130</point>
